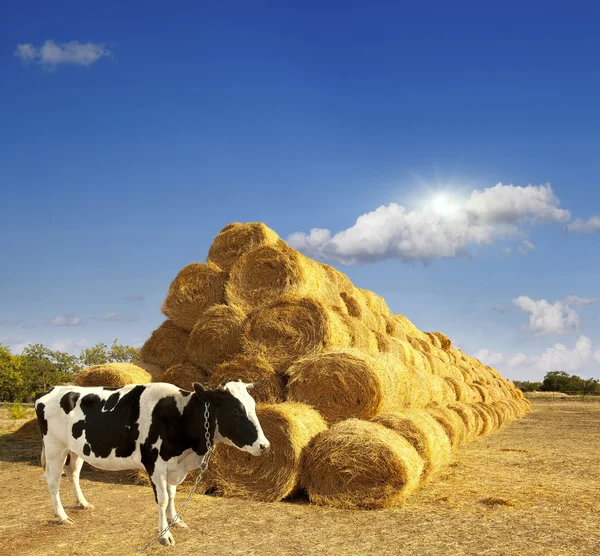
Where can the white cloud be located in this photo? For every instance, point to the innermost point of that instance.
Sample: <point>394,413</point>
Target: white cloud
<point>552,318</point>
<point>393,231</point>
<point>518,360</point>
<point>116,317</point>
<point>66,320</point>
<point>70,345</point>
<point>584,226</point>
<point>507,250</point>
<point>488,357</point>
<point>50,54</point>
<point>560,358</point>
<point>526,246</point>
<point>548,318</point>
<point>500,308</point>
<point>579,301</point>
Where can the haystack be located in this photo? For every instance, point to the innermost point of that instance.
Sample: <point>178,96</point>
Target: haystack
<point>266,273</point>
<point>268,385</point>
<point>115,375</point>
<point>216,337</point>
<point>424,433</point>
<point>347,383</point>
<point>471,419</point>
<point>358,464</point>
<point>236,239</point>
<point>166,346</point>
<point>197,287</point>
<point>30,430</point>
<point>275,475</point>
<point>293,327</point>
<point>453,425</point>
<point>183,375</point>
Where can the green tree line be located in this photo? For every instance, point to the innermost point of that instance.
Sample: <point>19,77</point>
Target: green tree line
<point>559,381</point>
<point>39,368</point>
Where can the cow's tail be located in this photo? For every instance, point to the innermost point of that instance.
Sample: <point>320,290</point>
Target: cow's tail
<point>43,458</point>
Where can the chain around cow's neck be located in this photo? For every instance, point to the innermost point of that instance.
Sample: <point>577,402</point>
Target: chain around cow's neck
<point>207,425</point>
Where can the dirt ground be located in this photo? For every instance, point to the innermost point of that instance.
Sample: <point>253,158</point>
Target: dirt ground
<point>532,488</point>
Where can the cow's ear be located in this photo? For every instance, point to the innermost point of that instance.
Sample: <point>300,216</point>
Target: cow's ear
<point>199,390</point>
<point>250,385</point>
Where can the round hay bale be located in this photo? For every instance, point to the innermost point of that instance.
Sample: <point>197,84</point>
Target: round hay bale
<point>348,383</point>
<point>425,435</point>
<point>353,306</point>
<point>166,346</point>
<point>375,303</point>
<point>197,287</point>
<point>115,375</point>
<point>291,328</point>
<point>487,421</point>
<point>275,475</point>
<point>183,375</point>
<point>492,416</point>
<point>444,341</point>
<point>30,430</point>
<point>268,386</point>
<point>462,392</point>
<point>361,337</point>
<point>433,340</point>
<point>407,326</point>
<point>267,273</point>
<point>392,327</point>
<point>480,392</point>
<point>216,337</point>
<point>405,351</point>
<point>236,239</point>
<point>453,425</point>
<point>358,464</point>
<point>441,392</point>
<point>470,418</point>
<point>386,345</point>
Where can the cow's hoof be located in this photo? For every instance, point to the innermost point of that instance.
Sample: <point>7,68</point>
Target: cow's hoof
<point>66,521</point>
<point>88,507</point>
<point>167,540</point>
<point>179,524</point>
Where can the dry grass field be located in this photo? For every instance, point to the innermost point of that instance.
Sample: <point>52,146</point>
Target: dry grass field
<point>531,489</point>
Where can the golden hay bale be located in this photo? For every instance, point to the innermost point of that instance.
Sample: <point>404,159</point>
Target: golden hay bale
<point>358,464</point>
<point>252,368</point>
<point>275,475</point>
<point>453,425</point>
<point>441,392</point>
<point>480,392</point>
<point>166,346</point>
<point>197,287</point>
<point>361,337</point>
<point>293,327</point>
<point>348,383</point>
<point>183,375</point>
<point>444,341</point>
<point>487,421</point>
<point>385,344</point>
<point>353,306</point>
<point>392,327</point>
<point>236,239</point>
<point>433,340</point>
<point>462,392</point>
<point>216,337</point>
<point>115,375</point>
<point>492,415</point>
<point>30,430</point>
<point>424,433</point>
<point>263,275</point>
<point>470,418</point>
<point>375,302</point>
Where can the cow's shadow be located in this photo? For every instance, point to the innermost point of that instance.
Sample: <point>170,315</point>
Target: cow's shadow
<point>18,449</point>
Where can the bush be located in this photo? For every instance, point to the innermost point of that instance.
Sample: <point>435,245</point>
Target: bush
<point>17,411</point>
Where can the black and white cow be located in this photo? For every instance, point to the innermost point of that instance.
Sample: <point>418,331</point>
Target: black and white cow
<point>157,427</point>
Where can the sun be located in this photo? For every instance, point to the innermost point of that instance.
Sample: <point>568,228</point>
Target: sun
<point>444,204</point>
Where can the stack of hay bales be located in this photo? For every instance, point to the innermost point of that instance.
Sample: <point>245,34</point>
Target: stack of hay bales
<point>359,404</point>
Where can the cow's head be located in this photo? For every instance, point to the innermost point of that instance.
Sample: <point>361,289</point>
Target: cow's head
<point>235,413</point>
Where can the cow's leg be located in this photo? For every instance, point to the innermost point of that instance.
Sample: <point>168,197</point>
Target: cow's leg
<point>73,470</point>
<point>171,511</point>
<point>159,480</point>
<point>55,460</point>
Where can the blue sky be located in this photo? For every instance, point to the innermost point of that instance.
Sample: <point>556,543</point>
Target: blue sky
<point>131,135</point>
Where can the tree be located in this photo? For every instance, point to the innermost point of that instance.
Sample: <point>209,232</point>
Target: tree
<point>11,381</point>
<point>556,381</point>
<point>100,354</point>
<point>527,386</point>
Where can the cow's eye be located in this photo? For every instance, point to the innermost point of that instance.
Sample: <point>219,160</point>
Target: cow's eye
<point>237,412</point>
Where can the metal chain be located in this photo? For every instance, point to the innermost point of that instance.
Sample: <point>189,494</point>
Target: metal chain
<point>203,468</point>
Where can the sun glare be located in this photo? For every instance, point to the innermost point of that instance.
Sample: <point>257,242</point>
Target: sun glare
<point>444,204</point>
